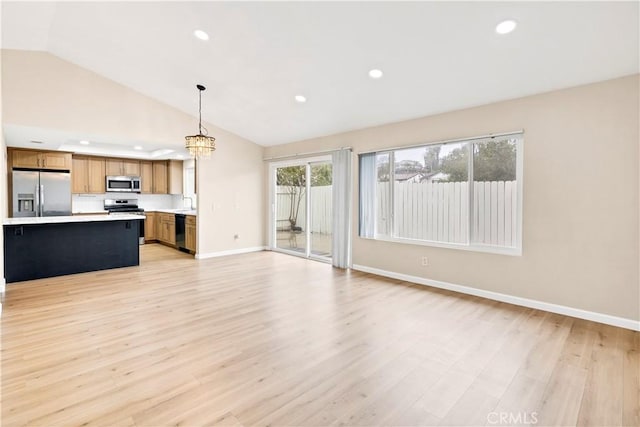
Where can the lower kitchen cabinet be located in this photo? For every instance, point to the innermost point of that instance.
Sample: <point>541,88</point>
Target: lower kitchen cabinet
<point>190,233</point>
<point>150,226</point>
<point>161,227</point>
<point>166,228</point>
<point>59,248</point>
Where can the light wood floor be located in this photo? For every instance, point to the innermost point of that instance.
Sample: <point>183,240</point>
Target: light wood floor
<point>270,339</point>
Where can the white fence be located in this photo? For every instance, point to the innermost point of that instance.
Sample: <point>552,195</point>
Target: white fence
<point>426,211</point>
<point>440,211</point>
<point>321,209</point>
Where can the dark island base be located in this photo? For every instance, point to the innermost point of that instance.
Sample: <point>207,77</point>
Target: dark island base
<point>36,251</point>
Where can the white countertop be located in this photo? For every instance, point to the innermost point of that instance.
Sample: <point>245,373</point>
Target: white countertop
<point>174,211</point>
<point>63,219</point>
<point>102,211</point>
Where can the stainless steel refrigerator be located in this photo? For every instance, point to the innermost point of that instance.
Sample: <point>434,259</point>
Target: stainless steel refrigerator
<point>38,193</point>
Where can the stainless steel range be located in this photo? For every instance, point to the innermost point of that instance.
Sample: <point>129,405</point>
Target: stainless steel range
<point>125,207</point>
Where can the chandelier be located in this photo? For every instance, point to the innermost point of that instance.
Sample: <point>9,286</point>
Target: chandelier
<point>200,145</point>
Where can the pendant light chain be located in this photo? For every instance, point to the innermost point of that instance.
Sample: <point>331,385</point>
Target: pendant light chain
<point>200,112</point>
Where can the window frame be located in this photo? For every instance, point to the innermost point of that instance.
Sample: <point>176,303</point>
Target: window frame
<point>470,245</point>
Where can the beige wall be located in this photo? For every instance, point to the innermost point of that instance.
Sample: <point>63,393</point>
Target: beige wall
<point>44,91</point>
<point>580,218</point>
<point>233,198</point>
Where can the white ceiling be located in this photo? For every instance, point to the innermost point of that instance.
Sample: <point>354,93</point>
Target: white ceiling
<point>54,139</point>
<point>436,56</point>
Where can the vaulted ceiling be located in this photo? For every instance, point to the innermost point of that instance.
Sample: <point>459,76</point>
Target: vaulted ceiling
<point>435,56</point>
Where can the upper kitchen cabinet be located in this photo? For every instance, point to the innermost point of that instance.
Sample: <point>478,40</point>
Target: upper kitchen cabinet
<point>35,159</point>
<point>175,176</point>
<point>160,182</point>
<point>123,167</point>
<point>88,175</point>
<point>167,177</point>
<point>146,176</point>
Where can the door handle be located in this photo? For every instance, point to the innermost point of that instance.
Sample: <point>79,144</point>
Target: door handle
<point>41,199</point>
<point>37,194</point>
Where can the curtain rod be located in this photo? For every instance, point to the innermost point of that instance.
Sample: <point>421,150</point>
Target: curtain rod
<point>446,141</point>
<point>310,153</point>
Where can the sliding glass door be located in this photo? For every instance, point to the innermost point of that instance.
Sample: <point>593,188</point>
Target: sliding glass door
<point>291,208</point>
<point>301,208</point>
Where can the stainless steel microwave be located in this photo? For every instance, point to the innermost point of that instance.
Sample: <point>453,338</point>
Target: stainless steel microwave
<point>123,184</point>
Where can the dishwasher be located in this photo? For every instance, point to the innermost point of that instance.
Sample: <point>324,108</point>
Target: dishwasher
<point>180,235</point>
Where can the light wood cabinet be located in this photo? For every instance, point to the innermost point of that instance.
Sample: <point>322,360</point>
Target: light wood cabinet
<point>25,159</point>
<point>167,176</point>
<point>56,160</point>
<point>190,233</point>
<point>97,175</point>
<point>88,175</point>
<point>150,226</point>
<point>176,173</point>
<point>131,167</point>
<point>160,184</point>
<point>35,159</point>
<point>113,167</point>
<point>146,176</point>
<point>123,167</point>
<point>79,175</point>
<point>166,228</point>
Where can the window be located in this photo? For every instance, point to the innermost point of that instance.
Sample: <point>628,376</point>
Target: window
<point>463,194</point>
<point>189,184</point>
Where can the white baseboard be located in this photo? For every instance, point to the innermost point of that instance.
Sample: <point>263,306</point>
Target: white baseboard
<point>230,252</point>
<point>525,302</point>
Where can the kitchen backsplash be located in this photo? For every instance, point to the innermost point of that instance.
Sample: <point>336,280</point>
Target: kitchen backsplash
<point>95,202</point>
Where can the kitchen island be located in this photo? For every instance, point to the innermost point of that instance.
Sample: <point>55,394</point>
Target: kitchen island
<point>36,248</point>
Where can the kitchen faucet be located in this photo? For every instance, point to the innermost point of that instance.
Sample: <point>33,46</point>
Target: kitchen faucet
<point>190,201</point>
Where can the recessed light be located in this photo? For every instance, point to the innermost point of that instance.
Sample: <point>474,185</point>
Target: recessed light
<point>301,99</point>
<point>375,73</point>
<point>505,27</point>
<point>137,147</point>
<point>201,35</point>
<point>84,142</point>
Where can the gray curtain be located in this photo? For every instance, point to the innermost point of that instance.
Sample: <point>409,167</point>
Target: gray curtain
<point>341,246</point>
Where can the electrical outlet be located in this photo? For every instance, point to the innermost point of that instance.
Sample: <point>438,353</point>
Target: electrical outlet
<point>425,261</point>
<point>236,236</point>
